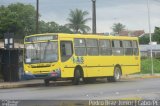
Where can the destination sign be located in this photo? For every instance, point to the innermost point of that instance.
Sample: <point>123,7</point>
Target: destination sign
<point>41,38</point>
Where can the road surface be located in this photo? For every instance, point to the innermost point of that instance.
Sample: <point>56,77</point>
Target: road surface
<point>130,88</point>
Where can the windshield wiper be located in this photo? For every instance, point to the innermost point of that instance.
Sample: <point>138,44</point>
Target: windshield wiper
<point>36,51</point>
<point>45,49</point>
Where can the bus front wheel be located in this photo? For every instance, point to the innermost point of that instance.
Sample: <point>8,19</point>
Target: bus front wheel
<point>117,75</point>
<point>77,76</point>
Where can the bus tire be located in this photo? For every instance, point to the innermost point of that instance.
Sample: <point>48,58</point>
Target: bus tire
<point>89,80</point>
<point>46,82</point>
<point>77,76</point>
<point>117,75</point>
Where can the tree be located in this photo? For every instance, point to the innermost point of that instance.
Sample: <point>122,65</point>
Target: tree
<point>144,40</point>
<point>118,27</point>
<point>64,29</point>
<point>43,27</point>
<point>17,18</point>
<point>77,20</point>
<point>52,27</point>
<point>7,21</point>
<point>20,19</point>
<point>156,35</point>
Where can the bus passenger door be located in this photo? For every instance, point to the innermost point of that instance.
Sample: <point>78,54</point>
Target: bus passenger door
<point>66,51</point>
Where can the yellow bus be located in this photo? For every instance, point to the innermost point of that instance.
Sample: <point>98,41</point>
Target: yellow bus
<point>80,57</point>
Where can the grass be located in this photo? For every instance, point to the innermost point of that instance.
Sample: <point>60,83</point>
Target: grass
<point>146,66</point>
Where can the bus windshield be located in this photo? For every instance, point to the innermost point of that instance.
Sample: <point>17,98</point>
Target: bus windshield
<point>43,52</point>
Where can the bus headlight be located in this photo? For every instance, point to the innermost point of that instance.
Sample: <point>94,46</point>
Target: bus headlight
<point>28,73</point>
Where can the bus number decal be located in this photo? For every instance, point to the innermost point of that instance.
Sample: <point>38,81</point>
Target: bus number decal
<point>78,60</point>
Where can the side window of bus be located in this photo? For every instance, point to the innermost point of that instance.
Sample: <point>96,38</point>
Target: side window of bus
<point>128,50</point>
<point>92,47</point>
<point>135,47</point>
<point>117,47</point>
<point>66,50</point>
<point>80,47</point>
<point>105,47</point>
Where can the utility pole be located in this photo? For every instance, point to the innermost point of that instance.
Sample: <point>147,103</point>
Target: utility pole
<point>150,36</point>
<point>94,16</point>
<point>37,16</point>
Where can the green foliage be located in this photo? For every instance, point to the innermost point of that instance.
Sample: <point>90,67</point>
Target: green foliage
<point>17,18</point>
<point>118,27</point>
<point>144,40</point>
<point>52,27</point>
<point>146,66</point>
<point>64,29</point>
<point>156,35</point>
<point>77,20</point>
<point>20,19</point>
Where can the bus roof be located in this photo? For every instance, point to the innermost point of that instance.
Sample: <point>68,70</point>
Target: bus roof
<point>66,35</point>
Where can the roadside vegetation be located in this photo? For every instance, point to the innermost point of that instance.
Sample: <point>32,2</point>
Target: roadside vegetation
<point>146,66</point>
<point>20,18</point>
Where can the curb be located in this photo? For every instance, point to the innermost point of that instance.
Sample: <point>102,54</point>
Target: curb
<point>141,76</point>
<point>8,86</point>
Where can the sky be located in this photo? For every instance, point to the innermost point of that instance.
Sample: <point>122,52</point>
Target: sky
<point>131,13</point>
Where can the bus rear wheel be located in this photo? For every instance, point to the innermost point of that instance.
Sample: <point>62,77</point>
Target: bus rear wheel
<point>117,75</point>
<point>77,76</point>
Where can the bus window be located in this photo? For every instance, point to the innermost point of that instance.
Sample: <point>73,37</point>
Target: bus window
<point>105,47</point>
<point>117,48</point>
<point>80,47</point>
<point>66,50</point>
<point>128,50</point>
<point>135,48</point>
<point>92,47</point>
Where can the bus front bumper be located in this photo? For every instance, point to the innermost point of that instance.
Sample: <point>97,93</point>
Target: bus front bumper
<point>54,75</point>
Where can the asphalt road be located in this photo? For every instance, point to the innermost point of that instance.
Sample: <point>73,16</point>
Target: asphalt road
<point>130,88</point>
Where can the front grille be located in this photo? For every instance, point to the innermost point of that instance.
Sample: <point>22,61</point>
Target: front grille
<point>39,66</point>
